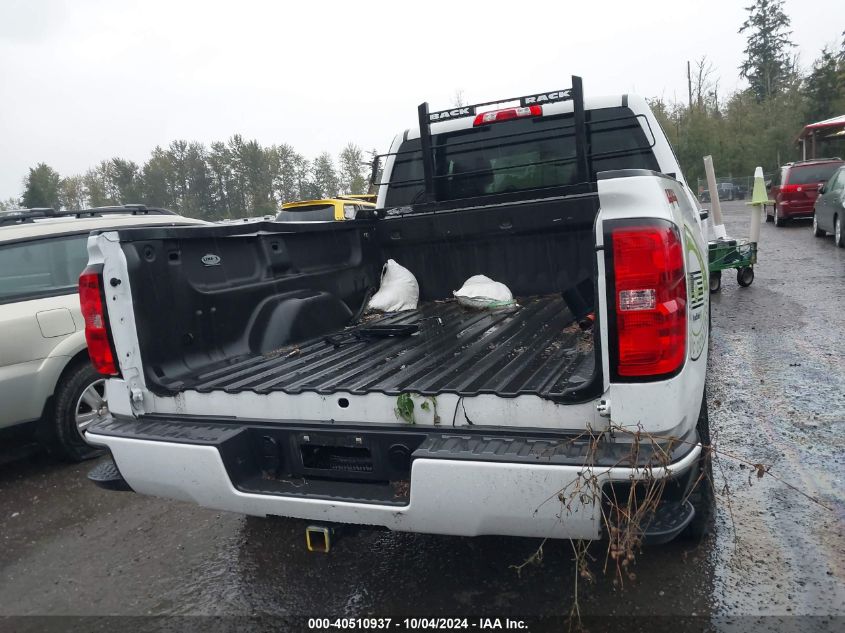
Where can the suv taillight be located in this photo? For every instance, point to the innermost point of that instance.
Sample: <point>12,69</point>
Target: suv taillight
<point>96,324</point>
<point>650,300</point>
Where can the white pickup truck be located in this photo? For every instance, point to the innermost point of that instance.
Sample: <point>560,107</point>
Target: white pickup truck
<point>245,375</point>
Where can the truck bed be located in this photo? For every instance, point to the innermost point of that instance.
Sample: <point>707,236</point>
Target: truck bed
<point>536,348</point>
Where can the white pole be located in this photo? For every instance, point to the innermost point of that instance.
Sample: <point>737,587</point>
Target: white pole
<point>715,206</point>
<point>755,208</point>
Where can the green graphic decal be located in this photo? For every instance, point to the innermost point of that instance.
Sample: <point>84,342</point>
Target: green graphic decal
<point>697,296</point>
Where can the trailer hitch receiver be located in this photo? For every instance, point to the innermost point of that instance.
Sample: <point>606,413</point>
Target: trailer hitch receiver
<point>318,538</point>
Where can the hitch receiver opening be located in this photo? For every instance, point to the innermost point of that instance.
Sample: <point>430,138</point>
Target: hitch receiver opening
<point>318,538</point>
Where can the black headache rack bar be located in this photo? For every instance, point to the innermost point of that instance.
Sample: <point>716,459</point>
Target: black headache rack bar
<point>23,216</point>
<point>472,110</point>
<point>574,94</point>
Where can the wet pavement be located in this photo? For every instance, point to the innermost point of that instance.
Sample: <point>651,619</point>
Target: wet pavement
<point>777,396</point>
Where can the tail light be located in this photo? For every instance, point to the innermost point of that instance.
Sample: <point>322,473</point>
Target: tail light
<point>792,192</point>
<point>96,323</point>
<point>650,300</point>
<point>494,116</point>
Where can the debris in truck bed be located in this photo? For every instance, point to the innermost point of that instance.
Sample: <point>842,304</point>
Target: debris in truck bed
<point>401,488</point>
<point>286,351</point>
<point>535,348</point>
<point>367,317</point>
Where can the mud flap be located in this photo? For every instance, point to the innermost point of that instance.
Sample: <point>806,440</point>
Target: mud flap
<point>669,520</point>
<point>106,475</point>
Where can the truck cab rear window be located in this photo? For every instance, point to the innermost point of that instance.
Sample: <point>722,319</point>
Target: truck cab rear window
<point>519,155</point>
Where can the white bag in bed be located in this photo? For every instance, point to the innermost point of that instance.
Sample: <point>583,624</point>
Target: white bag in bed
<point>482,293</point>
<point>399,290</point>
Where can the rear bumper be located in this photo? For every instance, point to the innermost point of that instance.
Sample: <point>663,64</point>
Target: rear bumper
<point>467,491</point>
<point>796,209</point>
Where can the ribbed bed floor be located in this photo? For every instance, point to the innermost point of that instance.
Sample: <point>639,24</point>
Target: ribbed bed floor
<point>534,349</point>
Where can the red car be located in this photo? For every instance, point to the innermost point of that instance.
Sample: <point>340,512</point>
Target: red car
<point>795,188</point>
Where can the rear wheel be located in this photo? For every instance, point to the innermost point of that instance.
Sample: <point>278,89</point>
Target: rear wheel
<point>702,496</point>
<point>715,281</point>
<point>80,401</point>
<point>709,320</point>
<point>779,221</point>
<point>745,276</point>
<point>838,238</point>
<point>816,230</point>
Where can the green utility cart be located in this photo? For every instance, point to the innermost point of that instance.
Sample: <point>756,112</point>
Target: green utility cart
<point>729,253</point>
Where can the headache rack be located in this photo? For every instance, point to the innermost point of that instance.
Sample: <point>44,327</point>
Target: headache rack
<point>426,117</point>
<point>24,216</point>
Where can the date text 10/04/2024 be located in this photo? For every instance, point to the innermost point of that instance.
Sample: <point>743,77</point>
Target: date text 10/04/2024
<point>413,624</point>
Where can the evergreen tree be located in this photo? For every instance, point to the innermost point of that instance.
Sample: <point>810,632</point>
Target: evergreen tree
<point>254,162</point>
<point>125,181</point>
<point>285,167</point>
<point>199,202</point>
<point>306,189</point>
<point>41,187</point>
<point>221,180</point>
<point>768,62</point>
<point>324,177</point>
<point>9,204</point>
<point>97,184</point>
<point>351,176</point>
<point>825,86</point>
<point>72,195</point>
<point>188,181</point>
<point>238,193</point>
<point>158,191</point>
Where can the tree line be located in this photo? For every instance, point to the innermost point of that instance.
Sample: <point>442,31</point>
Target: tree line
<point>758,125</point>
<point>750,127</point>
<point>229,179</point>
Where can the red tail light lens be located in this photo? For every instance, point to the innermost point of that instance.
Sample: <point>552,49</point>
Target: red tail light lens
<point>651,297</point>
<point>794,192</point>
<point>494,116</point>
<point>96,326</point>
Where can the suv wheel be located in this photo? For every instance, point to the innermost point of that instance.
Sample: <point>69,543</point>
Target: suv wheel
<point>816,230</point>
<point>838,238</point>
<point>80,401</point>
<point>779,221</point>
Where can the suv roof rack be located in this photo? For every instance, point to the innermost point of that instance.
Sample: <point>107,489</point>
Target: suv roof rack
<point>813,160</point>
<point>23,216</point>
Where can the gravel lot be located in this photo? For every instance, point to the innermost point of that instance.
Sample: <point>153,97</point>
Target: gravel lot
<point>777,396</point>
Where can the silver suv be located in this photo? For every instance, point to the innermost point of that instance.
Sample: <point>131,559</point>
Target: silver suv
<point>47,383</point>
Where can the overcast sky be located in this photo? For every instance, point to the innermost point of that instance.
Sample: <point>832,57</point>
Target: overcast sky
<point>85,80</point>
